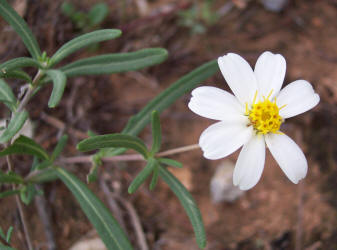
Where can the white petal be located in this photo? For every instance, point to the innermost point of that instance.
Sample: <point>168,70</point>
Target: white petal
<point>239,76</point>
<point>215,103</point>
<point>270,70</point>
<point>249,166</point>
<point>223,138</point>
<point>288,155</point>
<point>298,96</point>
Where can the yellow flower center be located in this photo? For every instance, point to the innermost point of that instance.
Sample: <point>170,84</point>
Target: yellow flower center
<point>264,116</point>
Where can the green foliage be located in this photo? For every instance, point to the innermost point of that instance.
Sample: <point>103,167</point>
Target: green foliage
<point>41,176</point>
<point>113,140</point>
<point>85,21</point>
<point>142,176</point>
<point>198,17</point>
<point>6,238</point>
<point>14,126</point>
<point>156,132</point>
<point>170,162</point>
<point>9,193</point>
<point>17,63</point>
<point>28,192</point>
<point>7,96</point>
<point>18,74</point>
<point>162,101</point>
<point>21,28</point>
<point>10,177</point>
<point>98,13</point>
<point>188,203</point>
<point>59,83</point>
<point>100,217</point>
<point>25,145</point>
<point>115,63</point>
<point>83,41</point>
<point>59,147</point>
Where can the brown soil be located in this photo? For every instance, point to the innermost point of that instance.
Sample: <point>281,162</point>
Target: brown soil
<point>275,214</point>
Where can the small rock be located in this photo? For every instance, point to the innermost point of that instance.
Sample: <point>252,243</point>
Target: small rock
<point>222,188</point>
<point>274,5</point>
<point>89,244</point>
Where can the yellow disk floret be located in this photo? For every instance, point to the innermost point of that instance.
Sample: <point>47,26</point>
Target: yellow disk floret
<point>264,116</point>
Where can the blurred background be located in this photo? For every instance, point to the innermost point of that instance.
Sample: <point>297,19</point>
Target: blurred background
<point>275,214</point>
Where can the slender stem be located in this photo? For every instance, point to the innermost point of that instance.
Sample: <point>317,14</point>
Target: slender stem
<point>22,105</point>
<point>179,150</point>
<point>128,157</point>
<point>23,219</point>
<point>30,91</point>
<point>19,205</point>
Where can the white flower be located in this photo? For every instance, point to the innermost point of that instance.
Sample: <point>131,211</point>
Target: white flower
<point>253,117</point>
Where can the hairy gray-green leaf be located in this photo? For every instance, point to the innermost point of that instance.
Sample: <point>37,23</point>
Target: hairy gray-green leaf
<point>188,203</point>
<point>20,26</point>
<point>116,63</point>
<point>170,162</point>
<point>10,177</point>
<point>59,147</point>
<point>25,145</point>
<point>7,96</point>
<point>98,13</point>
<point>14,126</point>
<point>83,41</point>
<point>156,132</point>
<point>165,99</point>
<point>113,140</point>
<point>59,83</point>
<point>141,177</point>
<point>17,63</point>
<point>100,217</point>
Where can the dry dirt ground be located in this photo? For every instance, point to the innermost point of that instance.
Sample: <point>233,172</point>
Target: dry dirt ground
<point>275,214</point>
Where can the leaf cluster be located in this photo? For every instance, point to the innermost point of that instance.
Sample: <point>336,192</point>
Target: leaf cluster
<point>85,21</point>
<point>45,166</point>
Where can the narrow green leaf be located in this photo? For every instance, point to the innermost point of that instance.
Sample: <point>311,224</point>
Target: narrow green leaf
<point>25,145</point>
<point>100,217</point>
<point>28,193</point>
<point>18,74</point>
<point>10,177</point>
<point>3,247</point>
<point>165,99</point>
<point>20,26</point>
<point>17,63</point>
<point>170,162</point>
<point>9,234</point>
<point>156,132</point>
<point>7,96</point>
<point>188,203</point>
<point>113,140</point>
<point>154,179</point>
<point>59,147</point>
<point>9,193</point>
<point>141,177</point>
<point>59,83</point>
<point>2,235</point>
<point>68,9</point>
<point>14,126</point>
<point>116,63</point>
<point>41,176</point>
<point>83,41</point>
<point>98,13</point>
